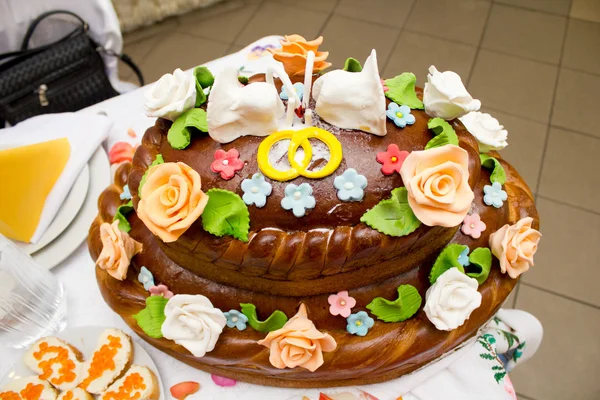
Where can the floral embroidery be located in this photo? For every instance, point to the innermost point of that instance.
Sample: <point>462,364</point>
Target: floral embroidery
<point>126,195</point>
<point>161,290</point>
<point>227,162</point>
<point>400,115</point>
<point>392,159</point>
<point>487,340</point>
<point>341,304</point>
<point>494,195</point>
<point>256,190</point>
<point>120,152</point>
<point>473,226</point>
<point>350,185</point>
<point>298,199</point>
<point>298,88</point>
<point>509,388</point>
<point>145,277</point>
<point>463,258</point>
<point>236,319</point>
<point>359,323</point>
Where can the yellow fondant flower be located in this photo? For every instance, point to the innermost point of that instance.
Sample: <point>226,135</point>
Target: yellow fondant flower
<point>171,200</point>
<point>117,250</point>
<point>515,246</point>
<point>298,343</point>
<point>293,52</point>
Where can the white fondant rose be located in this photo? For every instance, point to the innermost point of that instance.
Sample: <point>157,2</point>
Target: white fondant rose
<point>192,322</point>
<point>451,299</point>
<point>445,96</point>
<point>487,130</point>
<point>171,96</point>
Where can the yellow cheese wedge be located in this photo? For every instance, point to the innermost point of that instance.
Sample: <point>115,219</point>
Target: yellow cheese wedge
<point>27,175</point>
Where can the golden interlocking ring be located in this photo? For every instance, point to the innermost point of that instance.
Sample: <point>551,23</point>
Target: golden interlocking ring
<point>300,139</point>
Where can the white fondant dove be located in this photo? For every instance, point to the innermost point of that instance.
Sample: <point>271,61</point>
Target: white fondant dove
<point>252,110</point>
<point>352,100</point>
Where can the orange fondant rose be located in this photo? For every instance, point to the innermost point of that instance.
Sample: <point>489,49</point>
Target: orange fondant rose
<point>298,343</point>
<point>117,250</point>
<point>437,181</point>
<point>293,52</point>
<point>171,200</point>
<point>515,245</point>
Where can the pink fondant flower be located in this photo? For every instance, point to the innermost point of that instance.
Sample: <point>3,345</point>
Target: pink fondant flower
<point>392,159</point>
<point>161,290</point>
<point>121,151</point>
<point>341,304</point>
<point>227,162</point>
<point>222,381</point>
<point>385,88</point>
<point>473,226</point>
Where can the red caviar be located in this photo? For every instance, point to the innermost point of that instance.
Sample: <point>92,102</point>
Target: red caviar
<point>67,366</point>
<point>133,383</point>
<point>32,392</point>
<point>9,396</point>
<point>103,360</point>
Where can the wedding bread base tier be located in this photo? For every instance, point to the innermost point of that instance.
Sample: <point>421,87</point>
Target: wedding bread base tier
<point>388,351</point>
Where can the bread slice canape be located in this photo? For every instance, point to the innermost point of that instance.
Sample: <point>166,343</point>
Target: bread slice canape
<point>138,383</point>
<point>75,394</point>
<point>28,388</point>
<point>55,361</point>
<point>112,357</point>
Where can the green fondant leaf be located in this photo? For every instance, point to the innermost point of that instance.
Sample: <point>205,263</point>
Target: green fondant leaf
<point>120,216</point>
<point>157,160</point>
<point>352,65</point>
<point>498,173</point>
<point>402,90</point>
<point>204,79</point>
<point>393,217</point>
<point>481,262</point>
<point>151,318</point>
<point>444,133</point>
<point>243,79</point>
<point>226,214</point>
<point>405,306</point>
<point>274,322</point>
<point>179,135</point>
<point>447,259</point>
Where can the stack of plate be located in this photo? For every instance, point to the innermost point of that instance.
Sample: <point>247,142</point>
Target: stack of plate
<point>70,226</point>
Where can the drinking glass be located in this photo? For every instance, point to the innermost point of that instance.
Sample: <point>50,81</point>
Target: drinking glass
<point>32,300</point>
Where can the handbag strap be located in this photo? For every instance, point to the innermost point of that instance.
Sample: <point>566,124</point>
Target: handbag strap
<point>42,17</point>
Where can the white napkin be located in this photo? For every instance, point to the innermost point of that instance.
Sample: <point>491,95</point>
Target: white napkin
<point>85,132</point>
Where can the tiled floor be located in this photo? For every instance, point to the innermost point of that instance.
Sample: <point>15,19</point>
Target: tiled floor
<point>535,64</point>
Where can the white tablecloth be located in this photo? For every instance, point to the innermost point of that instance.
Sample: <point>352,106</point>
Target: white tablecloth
<point>462,374</point>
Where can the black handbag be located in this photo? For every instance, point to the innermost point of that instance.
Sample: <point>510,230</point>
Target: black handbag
<point>66,75</point>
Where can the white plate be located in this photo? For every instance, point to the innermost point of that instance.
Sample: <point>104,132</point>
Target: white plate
<point>68,241</point>
<point>85,339</point>
<point>65,215</point>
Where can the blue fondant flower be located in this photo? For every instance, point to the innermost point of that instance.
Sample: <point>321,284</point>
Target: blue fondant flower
<point>400,115</point>
<point>256,190</point>
<point>359,323</point>
<point>463,258</point>
<point>145,277</point>
<point>126,195</point>
<point>494,195</point>
<point>236,319</point>
<point>298,88</point>
<point>350,185</point>
<point>298,199</point>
